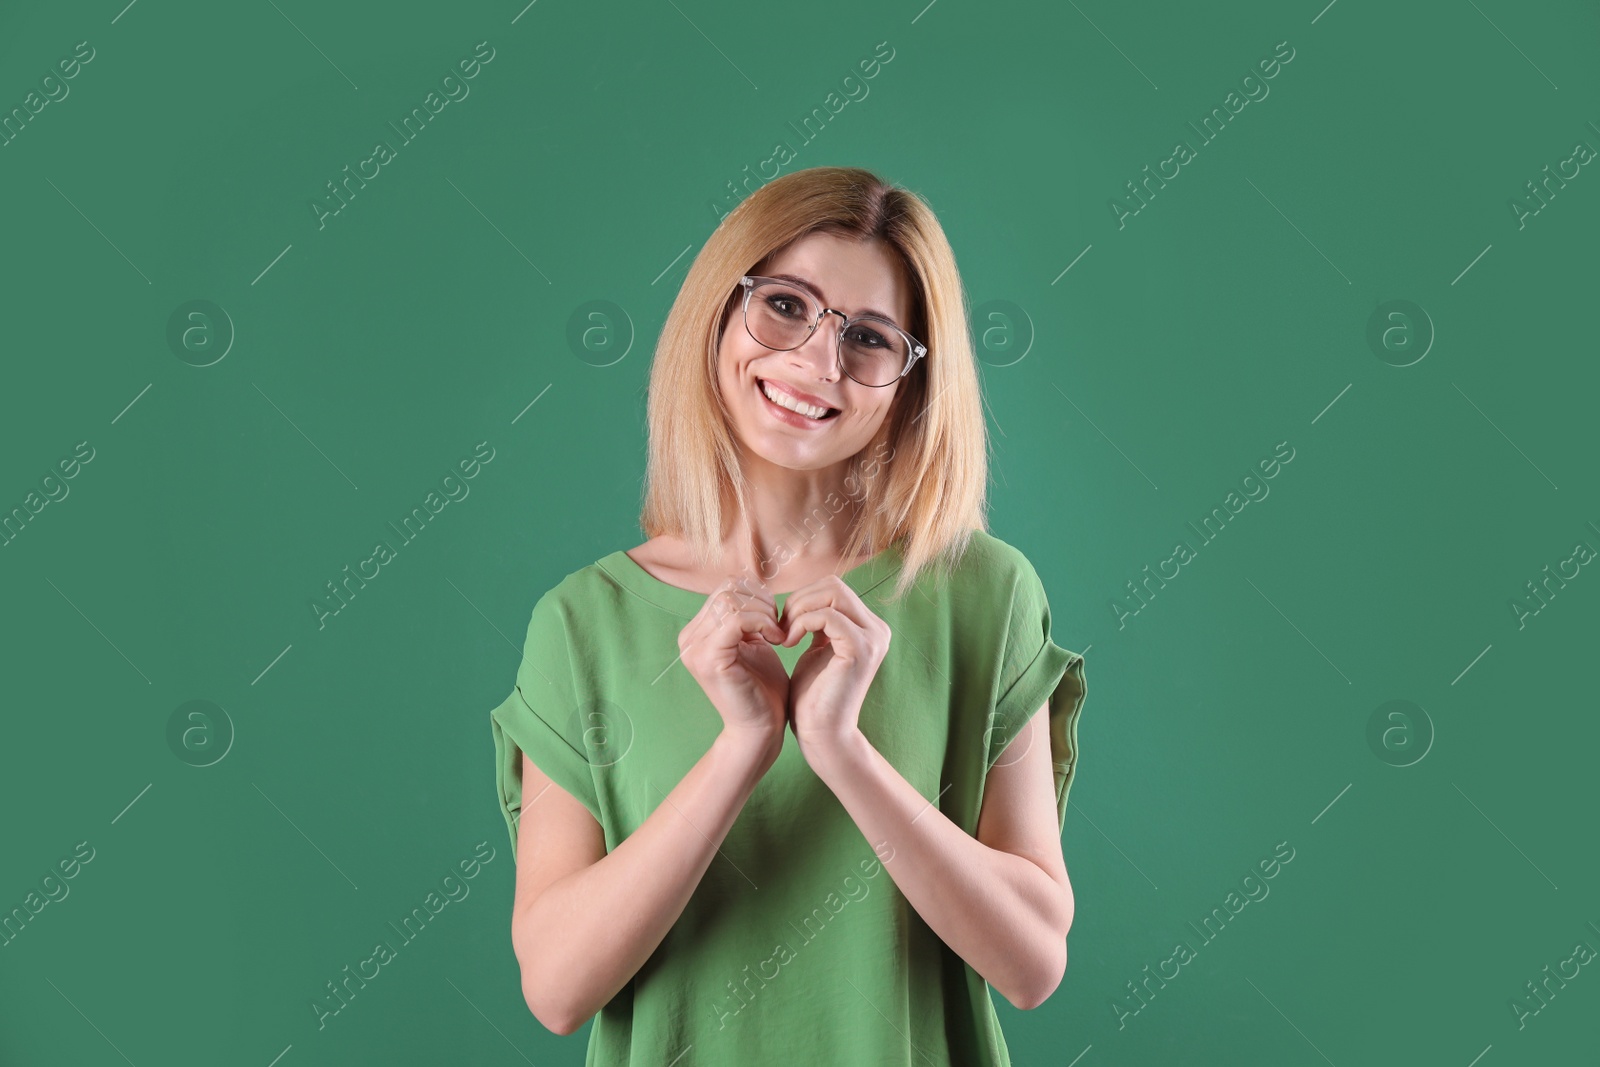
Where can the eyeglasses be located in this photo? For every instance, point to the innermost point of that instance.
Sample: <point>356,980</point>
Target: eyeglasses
<point>871,350</point>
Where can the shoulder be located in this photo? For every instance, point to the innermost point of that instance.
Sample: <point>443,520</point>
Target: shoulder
<point>996,595</point>
<point>570,623</point>
<point>577,591</point>
<point>994,564</point>
<point>985,590</point>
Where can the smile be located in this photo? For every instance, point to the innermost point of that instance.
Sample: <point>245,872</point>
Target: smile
<point>790,410</point>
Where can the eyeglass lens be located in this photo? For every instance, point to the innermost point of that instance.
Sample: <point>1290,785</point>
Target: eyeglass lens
<point>780,315</point>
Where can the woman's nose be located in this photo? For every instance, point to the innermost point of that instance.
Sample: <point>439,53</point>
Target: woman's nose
<point>821,350</point>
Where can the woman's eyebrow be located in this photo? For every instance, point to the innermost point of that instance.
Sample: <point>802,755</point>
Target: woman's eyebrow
<point>812,288</point>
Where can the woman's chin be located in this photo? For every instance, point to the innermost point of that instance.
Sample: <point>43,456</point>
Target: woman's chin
<point>789,455</point>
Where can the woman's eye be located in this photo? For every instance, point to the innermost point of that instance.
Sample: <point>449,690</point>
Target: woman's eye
<point>784,306</point>
<point>862,335</point>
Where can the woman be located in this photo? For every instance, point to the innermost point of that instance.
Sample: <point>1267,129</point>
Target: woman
<point>736,844</point>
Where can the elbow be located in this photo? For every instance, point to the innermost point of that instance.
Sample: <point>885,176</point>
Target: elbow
<point>1028,1003</point>
<point>1050,967</point>
<point>558,1018</point>
<point>542,996</point>
<point>1045,980</point>
<point>560,1025</point>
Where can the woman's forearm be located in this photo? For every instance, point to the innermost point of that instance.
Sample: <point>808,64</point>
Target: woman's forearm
<point>1000,912</point>
<point>584,937</point>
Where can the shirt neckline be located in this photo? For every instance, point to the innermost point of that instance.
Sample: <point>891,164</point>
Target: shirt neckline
<point>626,572</point>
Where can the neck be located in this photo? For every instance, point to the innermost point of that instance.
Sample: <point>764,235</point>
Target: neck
<point>799,524</point>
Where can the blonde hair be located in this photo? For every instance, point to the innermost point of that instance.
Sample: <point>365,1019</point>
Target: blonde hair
<point>931,491</point>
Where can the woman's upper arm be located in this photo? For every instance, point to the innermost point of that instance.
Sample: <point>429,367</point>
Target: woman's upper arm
<point>1018,812</point>
<point>556,835</point>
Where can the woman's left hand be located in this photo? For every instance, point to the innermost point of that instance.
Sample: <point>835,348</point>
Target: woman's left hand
<point>831,679</point>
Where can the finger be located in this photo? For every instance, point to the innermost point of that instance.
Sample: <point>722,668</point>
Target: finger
<point>737,626</point>
<point>740,594</point>
<point>832,623</point>
<point>723,601</point>
<point>728,600</point>
<point>704,619</point>
<point>827,591</point>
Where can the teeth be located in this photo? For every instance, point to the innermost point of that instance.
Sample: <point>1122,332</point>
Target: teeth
<point>784,400</point>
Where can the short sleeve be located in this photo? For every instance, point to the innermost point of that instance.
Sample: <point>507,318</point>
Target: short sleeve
<point>1033,670</point>
<point>541,716</point>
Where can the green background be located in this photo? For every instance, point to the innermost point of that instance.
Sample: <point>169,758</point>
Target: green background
<point>1439,862</point>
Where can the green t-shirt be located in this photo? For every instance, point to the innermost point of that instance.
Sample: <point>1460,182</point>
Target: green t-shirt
<point>796,942</point>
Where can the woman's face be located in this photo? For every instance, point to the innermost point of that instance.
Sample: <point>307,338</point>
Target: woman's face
<point>845,274</point>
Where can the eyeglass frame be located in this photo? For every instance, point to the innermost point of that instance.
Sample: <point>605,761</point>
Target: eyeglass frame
<point>917,349</point>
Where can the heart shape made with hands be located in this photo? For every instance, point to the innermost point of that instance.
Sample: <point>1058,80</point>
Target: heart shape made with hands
<point>819,639</point>
<point>832,675</point>
<point>842,612</point>
<point>824,689</point>
<point>809,681</point>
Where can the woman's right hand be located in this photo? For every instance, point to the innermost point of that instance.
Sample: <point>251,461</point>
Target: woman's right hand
<point>728,648</point>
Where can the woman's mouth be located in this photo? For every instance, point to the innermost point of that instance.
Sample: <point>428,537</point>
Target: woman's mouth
<point>787,409</point>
